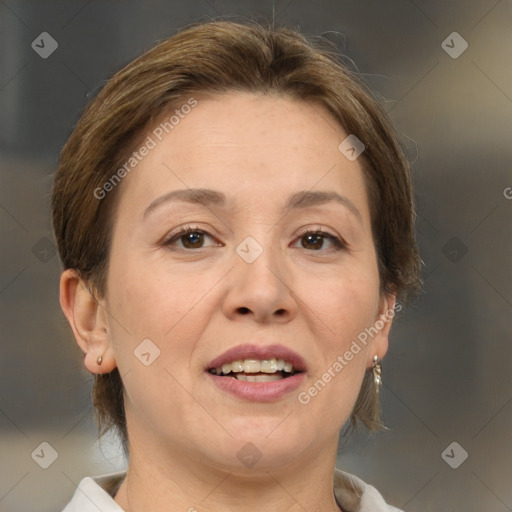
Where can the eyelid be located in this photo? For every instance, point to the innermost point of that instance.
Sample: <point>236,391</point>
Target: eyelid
<point>338,241</point>
<point>176,234</point>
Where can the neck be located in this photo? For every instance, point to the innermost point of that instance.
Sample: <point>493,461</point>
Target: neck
<point>163,483</point>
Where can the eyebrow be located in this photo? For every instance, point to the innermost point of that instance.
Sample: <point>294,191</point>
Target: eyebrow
<point>207,197</point>
<point>201,196</point>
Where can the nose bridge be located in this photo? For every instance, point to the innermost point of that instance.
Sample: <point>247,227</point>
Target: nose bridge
<point>259,283</point>
<point>260,264</point>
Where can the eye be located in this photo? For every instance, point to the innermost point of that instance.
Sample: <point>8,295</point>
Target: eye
<point>316,240</point>
<point>189,238</point>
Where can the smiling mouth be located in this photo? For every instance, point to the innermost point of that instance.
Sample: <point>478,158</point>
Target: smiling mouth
<point>254,370</point>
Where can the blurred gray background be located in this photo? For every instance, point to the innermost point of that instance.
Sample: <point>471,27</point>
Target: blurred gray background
<point>447,377</point>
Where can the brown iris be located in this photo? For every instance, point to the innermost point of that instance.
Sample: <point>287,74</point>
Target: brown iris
<point>313,241</point>
<point>193,240</point>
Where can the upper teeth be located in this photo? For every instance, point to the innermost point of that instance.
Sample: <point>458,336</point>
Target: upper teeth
<point>255,366</point>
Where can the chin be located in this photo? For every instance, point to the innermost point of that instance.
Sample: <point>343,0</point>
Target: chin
<point>266,445</point>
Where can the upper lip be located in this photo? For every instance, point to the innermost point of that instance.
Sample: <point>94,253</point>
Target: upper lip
<point>260,352</point>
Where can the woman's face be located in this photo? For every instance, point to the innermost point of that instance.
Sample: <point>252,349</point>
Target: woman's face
<point>244,228</point>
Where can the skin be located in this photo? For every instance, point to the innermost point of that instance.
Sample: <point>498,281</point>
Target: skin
<point>195,303</point>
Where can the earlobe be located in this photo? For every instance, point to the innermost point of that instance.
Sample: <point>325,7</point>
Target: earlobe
<point>88,322</point>
<point>103,363</point>
<point>380,342</point>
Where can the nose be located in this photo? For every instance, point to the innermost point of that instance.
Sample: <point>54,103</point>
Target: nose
<point>260,290</point>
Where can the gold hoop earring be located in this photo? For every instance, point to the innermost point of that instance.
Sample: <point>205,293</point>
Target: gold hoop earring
<point>377,373</point>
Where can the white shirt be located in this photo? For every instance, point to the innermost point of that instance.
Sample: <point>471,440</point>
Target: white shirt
<point>351,493</point>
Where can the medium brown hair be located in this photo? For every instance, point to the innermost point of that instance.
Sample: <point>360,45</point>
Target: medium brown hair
<point>219,57</point>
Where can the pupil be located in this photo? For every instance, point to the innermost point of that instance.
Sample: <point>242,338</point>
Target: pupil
<point>193,240</point>
<point>313,241</point>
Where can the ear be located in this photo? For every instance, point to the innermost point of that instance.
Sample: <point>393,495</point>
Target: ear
<point>383,321</point>
<point>89,322</point>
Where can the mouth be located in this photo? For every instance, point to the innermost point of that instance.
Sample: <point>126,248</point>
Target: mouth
<point>254,370</point>
<point>253,363</point>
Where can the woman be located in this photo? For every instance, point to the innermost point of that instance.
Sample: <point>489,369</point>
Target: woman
<point>235,221</point>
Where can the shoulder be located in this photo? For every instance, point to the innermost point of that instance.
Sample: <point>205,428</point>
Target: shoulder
<point>93,494</point>
<point>355,495</point>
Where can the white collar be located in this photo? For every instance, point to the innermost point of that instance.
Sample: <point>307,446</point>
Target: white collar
<point>351,493</point>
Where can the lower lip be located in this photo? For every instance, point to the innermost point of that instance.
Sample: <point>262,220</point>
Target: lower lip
<point>258,391</point>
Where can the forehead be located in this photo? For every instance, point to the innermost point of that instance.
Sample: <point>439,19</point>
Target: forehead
<point>244,143</point>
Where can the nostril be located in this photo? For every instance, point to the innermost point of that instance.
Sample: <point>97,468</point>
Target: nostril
<point>244,310</point>
<point>281,312</point>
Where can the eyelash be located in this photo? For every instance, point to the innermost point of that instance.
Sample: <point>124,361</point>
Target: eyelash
<point>339,243</point>
<point>182,232</point>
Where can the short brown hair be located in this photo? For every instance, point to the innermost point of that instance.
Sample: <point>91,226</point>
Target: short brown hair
<point>218,57</point>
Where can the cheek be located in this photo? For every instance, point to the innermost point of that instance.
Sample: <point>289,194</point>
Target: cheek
<point>156,306</point>
<point>151,302</point>
<point>140,294</point>
<point>343,305</point>
<point>341,309</point>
